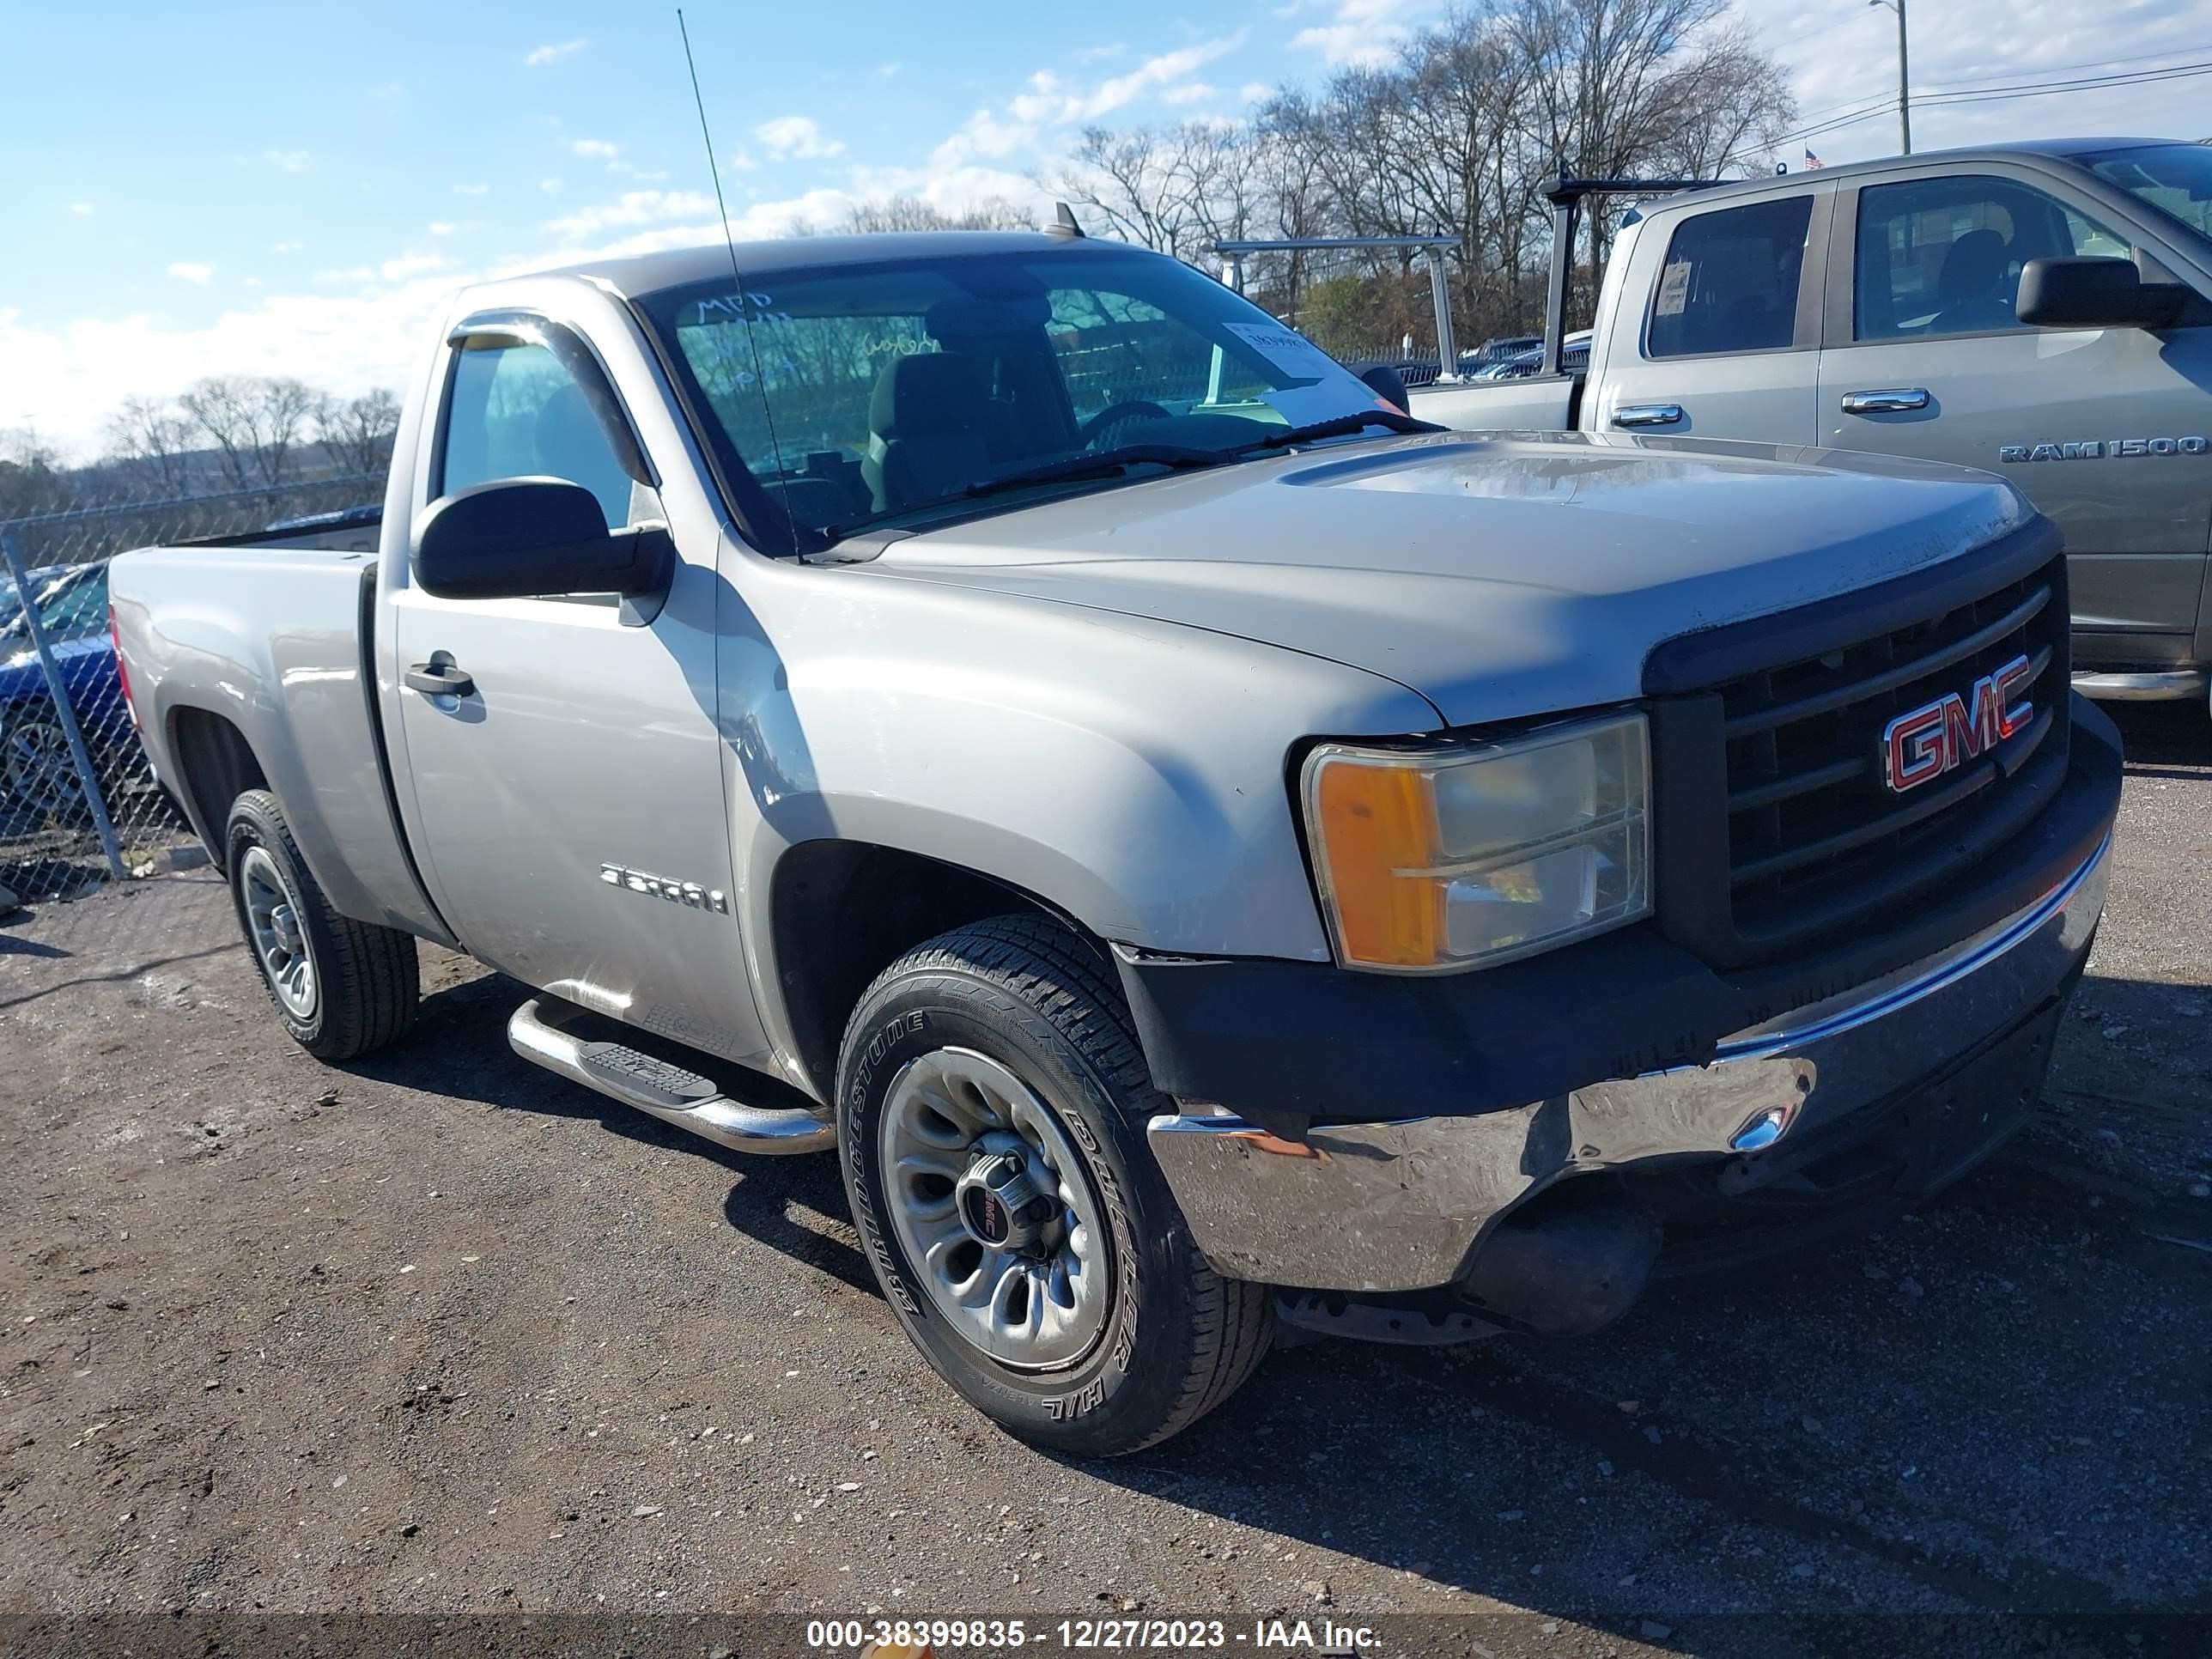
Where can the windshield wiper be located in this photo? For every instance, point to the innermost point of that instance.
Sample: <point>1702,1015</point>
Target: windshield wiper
<point>1105,464</point>
<point>1342,426</point>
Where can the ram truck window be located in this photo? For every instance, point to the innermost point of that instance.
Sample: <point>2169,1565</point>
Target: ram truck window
<point>1202,849</point>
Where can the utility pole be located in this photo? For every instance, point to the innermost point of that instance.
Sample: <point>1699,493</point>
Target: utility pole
<point>1904,77</point>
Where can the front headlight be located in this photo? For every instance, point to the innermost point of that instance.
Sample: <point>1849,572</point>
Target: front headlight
<point>1475,853</point>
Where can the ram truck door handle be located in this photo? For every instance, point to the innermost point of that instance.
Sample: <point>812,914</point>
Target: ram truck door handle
<point>1894,400</point>
<point>439,680</point>
<point>1648,414</point>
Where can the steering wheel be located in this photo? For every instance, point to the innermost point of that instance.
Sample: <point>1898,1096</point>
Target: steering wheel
<point>1113,415</point>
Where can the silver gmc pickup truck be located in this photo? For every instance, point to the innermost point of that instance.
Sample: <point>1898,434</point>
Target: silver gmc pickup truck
<point>1202,846</point>
<point>2041,310</point>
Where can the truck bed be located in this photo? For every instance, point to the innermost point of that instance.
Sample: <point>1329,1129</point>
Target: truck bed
<point>1539,404</point>
<point>274,641</point>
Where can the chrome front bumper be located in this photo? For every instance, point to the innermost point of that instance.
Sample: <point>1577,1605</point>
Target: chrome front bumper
<point>1400,1205</point>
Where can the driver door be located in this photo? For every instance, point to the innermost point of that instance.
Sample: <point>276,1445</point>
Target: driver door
<point>576,766</point>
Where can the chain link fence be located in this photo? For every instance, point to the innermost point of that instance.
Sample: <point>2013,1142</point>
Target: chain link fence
<point>78,806</point>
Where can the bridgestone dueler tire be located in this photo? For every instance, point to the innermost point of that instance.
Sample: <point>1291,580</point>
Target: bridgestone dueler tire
<point>367,977</point>
<point>1179,1338</point>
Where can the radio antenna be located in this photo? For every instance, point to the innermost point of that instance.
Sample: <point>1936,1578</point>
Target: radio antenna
<point>744,296</point>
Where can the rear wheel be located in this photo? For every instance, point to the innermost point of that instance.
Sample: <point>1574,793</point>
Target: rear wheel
<point>992,1102</point>
<point>342,988</point>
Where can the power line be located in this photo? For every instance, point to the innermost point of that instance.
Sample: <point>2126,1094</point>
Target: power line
<point>1966,82</point>
<point>2099,83</point>
<point>1942,98</point>
<point>2071,68</point>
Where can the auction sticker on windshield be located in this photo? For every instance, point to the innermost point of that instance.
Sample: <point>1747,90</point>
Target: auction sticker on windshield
<point>1285,348</point>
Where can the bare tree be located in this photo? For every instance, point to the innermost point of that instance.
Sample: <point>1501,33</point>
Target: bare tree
<point>1618,87</point>
<point>359,431</point>
<point>32,473</point>
<point>1128,179</point>
<point>255,423</point>
<point>1179,188</point>
<point>153,434</point>
<point>890,213</point>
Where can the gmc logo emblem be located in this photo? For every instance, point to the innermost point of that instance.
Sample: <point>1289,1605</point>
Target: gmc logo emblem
<point>1939,736</point>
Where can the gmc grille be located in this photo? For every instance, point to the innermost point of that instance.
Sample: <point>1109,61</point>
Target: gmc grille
<point>1797,837</point>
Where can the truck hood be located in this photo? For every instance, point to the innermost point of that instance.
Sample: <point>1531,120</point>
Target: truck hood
<point>1498,575</point>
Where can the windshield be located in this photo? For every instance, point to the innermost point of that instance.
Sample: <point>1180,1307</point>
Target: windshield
<point>886,394</point>
<point>2175,179</point>
<point>70,606</point>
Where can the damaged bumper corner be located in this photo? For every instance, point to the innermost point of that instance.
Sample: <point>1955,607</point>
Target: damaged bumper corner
<point>1961,1038</point>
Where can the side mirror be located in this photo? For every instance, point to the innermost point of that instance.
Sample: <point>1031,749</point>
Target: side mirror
<point>516,539</point>
<point>1386,383</point>
<point>2084,294</point>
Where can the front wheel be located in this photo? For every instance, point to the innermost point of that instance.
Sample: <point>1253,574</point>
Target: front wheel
<point>992,1102</point>
<point>342,988</point>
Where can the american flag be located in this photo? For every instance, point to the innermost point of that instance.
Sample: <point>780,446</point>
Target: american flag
<point>1813,160</point>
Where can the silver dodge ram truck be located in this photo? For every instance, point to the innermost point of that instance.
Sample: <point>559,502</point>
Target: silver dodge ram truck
<point>1202,846</point>
<point>2043,310</point>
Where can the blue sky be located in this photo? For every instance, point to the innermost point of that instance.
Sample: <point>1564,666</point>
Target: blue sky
<point>291,188</point>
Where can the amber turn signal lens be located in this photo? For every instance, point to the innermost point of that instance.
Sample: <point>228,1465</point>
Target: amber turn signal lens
<point>1470,852</point>
<point>1373,823</point>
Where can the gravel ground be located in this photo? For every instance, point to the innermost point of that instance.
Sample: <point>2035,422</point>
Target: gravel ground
<point>441,1333</point>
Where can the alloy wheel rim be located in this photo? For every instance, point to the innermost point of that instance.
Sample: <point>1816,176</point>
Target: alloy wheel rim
<point>40,771</point>
<point>272,916</point>
<point>1037,1299</point>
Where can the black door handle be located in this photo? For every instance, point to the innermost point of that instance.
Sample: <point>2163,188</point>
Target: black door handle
<point>439,680</point>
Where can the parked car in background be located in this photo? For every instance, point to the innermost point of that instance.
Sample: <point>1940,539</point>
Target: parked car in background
<point>1493,352</point>
<point>38,777</point>
<point>1523,364</point>
<point>2043,311</point>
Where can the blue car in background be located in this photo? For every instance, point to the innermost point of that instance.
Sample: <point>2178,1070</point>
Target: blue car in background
<point>38,779</point>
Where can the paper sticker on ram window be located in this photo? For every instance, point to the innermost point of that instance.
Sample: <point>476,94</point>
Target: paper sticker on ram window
<point>1673,289</point>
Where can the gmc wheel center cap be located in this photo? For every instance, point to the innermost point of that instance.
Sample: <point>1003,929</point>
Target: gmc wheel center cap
<point>1000,1203</point>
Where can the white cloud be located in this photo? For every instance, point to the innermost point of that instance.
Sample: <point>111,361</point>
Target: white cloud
<point>1190,92</point>
<point>1252,91</point>
<point>442,227</point>
<point>983,134</point>
<point>290,161</point>
<point>190,270</point>
<point>284,247</point>
<point>409,265</point>
<point>745,161</point>
<point>81,209</point>
<point>471,190</point>
<point>1094,54</point>
<point>551,186</point>
<point>635,207</point>
<point>540,56</point>
<point>599,148</point>
<point>67,378</point>
<point>1360,33</point>
<point>1051,99</point>
<point>796,139</point>
<point>887,71</point>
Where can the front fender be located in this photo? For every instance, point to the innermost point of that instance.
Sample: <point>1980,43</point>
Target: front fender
<point>1130,773</point>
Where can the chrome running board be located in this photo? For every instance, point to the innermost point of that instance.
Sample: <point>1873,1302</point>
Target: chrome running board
<point>537,1030</point>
